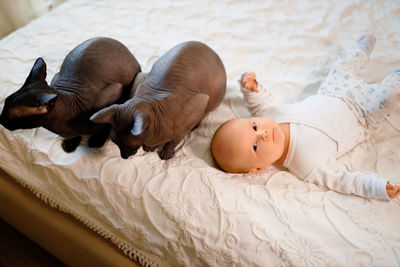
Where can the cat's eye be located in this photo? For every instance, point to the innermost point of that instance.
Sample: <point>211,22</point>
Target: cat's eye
<point>254,126</point>
<point>255,146</point>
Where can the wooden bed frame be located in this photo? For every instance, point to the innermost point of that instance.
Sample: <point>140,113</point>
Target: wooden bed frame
<point>54,230</point>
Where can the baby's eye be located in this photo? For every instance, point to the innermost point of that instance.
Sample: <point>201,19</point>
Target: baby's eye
<point>255,126</point>
<point>255,146</point>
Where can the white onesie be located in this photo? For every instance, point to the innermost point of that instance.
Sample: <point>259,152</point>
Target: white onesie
<point>326,125</point>
<point>322,128</point>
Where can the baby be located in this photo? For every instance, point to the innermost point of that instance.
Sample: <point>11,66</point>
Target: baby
<point>309,136</point>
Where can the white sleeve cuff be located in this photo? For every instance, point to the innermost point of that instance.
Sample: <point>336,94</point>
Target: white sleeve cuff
<point>381,192</point>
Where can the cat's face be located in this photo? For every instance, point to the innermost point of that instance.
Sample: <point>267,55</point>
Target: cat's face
<point>22,109</point>
<point>127,143</point>
<point>128,130</point>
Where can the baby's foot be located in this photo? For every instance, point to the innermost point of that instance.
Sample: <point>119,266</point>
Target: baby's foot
<point>366,43</point>
<point>249,81</point>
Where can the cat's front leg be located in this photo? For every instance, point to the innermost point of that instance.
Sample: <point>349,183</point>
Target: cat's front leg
<point>168,150</point>
<point>99,138</point>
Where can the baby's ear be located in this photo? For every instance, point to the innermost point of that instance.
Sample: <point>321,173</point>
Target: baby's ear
<point>106,115</point>
<point>140,123</point>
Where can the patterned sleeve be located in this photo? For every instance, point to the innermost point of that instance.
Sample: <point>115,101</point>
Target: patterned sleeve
<point>335,176</point>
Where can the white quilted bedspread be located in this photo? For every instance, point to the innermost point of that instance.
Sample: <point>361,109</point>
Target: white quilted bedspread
<point>184,211</point>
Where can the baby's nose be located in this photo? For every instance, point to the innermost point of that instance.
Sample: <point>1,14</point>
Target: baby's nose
<point>262,134</point>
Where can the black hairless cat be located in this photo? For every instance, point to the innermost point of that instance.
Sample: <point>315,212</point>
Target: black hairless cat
<point>97,73</point>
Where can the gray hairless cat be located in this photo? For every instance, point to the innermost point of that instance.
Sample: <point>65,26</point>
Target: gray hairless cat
<point>183,85</point>
<point>97,73</point>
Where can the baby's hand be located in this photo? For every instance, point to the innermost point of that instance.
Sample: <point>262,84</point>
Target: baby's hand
<point>249,81</point>
<point>393,191</point>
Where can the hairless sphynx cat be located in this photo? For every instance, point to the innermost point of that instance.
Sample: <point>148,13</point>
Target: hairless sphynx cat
<point>183,85</point>
<point>97,73</point>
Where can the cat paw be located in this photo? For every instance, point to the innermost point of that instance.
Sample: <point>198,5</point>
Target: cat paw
<point>166,154</point>
<point>149,148</point>
<point>70,144</point>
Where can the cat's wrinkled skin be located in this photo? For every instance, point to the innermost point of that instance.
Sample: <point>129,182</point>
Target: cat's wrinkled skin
<point>183,85</point>
<point>95,74</point>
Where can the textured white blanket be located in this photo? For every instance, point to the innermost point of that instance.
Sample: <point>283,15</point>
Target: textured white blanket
<point>184,210</point>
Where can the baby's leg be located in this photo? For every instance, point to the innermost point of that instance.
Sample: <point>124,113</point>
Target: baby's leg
<point>366,43</point>
<point>357,61</point>
<point>346,73</point>
<point>383,101</point>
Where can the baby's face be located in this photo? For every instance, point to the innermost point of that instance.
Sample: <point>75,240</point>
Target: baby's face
<point>248,144</point>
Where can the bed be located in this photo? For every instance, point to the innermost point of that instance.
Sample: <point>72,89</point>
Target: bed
<point>185,211</point>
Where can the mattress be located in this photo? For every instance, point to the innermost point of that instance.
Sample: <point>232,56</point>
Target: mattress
<point>185,211</point>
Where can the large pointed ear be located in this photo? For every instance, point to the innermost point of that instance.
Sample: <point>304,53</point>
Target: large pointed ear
<point>140,123</point>
<point>106,115</point>
<point>45,99</point>
<point>38,71</point>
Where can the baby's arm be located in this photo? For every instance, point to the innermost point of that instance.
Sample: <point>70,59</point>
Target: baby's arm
<point>257,99</point>
<point>335,176</point>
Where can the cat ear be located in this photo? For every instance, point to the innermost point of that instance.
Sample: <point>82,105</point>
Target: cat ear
<point>45,99</point>
<point>38,71</point>
<point>140,123</point>
<point>43,104</point>
<point>105,115</point>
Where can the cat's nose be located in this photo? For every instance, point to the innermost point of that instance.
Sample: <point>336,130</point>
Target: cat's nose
<point>124,155</point>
